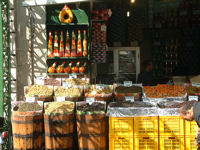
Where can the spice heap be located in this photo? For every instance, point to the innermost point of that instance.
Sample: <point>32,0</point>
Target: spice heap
<point>125,90</point>
<point>59,108</point>
<point>163,91</point>
<point>92,108</point>
<point>93,90</point>
<point>38,90</point>
<point>130,104</point>
<point>25,107</point>
<point>68,92</point>
<point>76,81</point>
<point>192,90</point>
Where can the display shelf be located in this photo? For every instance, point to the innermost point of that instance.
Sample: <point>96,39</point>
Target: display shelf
<point>67,58</point>
<point>67,74</point>
<point>53,24</point>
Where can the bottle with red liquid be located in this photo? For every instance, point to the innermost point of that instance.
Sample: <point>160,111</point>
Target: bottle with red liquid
<point>73,48</point>
<point>85,44</point>
<point>50,46</point>
<point>67,46</point>
<point>55,53</point>
<point>61,52</point>
<point>79,46</point>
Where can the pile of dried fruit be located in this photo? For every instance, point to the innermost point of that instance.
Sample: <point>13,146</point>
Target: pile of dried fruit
<point>92,108</point>
<point>38,90</point>
<point>68,92</point>
<point>174,104</point>
<point>59,108</point>
<point>125,90</point>
<point>77,81</point>
<point>130,104</point>
<point>25,107</point>
<point>163,91</point>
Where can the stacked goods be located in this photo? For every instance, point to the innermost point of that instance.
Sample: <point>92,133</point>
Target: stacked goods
<point>171,126</point>
<point>59,125</point>
<point>99,52</point>
<point>122,91</point>
<point>39,92</point>
<point>70,93</point>
<point>164,91</point>
<point>91,127</point>
<point>27,126</point>
<point>99,32</point>
<point>77,81</point>
<point>100,92</point>
<point>127,130</point>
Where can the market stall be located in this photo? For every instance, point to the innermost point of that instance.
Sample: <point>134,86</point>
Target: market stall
<point>71,110</point>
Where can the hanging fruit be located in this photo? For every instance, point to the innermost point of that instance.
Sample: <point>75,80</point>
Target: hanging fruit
<point>68,68</point>
<point>75,68</point>
<point>66,11</point>
<point>52,68</point>
<point>82,69</point>
<point>59,69</point>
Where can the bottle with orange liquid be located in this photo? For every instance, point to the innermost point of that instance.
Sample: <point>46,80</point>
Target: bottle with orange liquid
<point>61,52</point>
<point>55,53</point>
<point>67,46</point>
<point>50,46</point>
<point>73,48</point>
<point>85,53</point>
<point>79,46</point>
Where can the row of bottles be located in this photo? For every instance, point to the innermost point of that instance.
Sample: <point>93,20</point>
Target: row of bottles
<point>79,50</point>
<point>62,68</point>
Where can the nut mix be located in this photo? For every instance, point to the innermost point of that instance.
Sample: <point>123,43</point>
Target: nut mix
<point>59,107</point>
<point>68,92</point>
<point>38,90</point>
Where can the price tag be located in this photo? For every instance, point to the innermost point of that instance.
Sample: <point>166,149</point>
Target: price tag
<point>72,76</point>
<point>127,83</point>
<point>129,98</point>
<point>193,98</point>
<point>30,99</point>
<point>103,28</point>
<point>66,84</point>
<point>90,100</point>
<point>100,86</point>
<point>60,99</point>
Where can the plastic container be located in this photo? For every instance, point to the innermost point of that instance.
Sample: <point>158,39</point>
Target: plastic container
<point>121,143</point>
<point>145,126</point>
<point>190,128</point>
<point>146,143</point>
<point>171,126</point>
<point>189,143</point>
<point>121,126</point>
<point>171,143</point>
